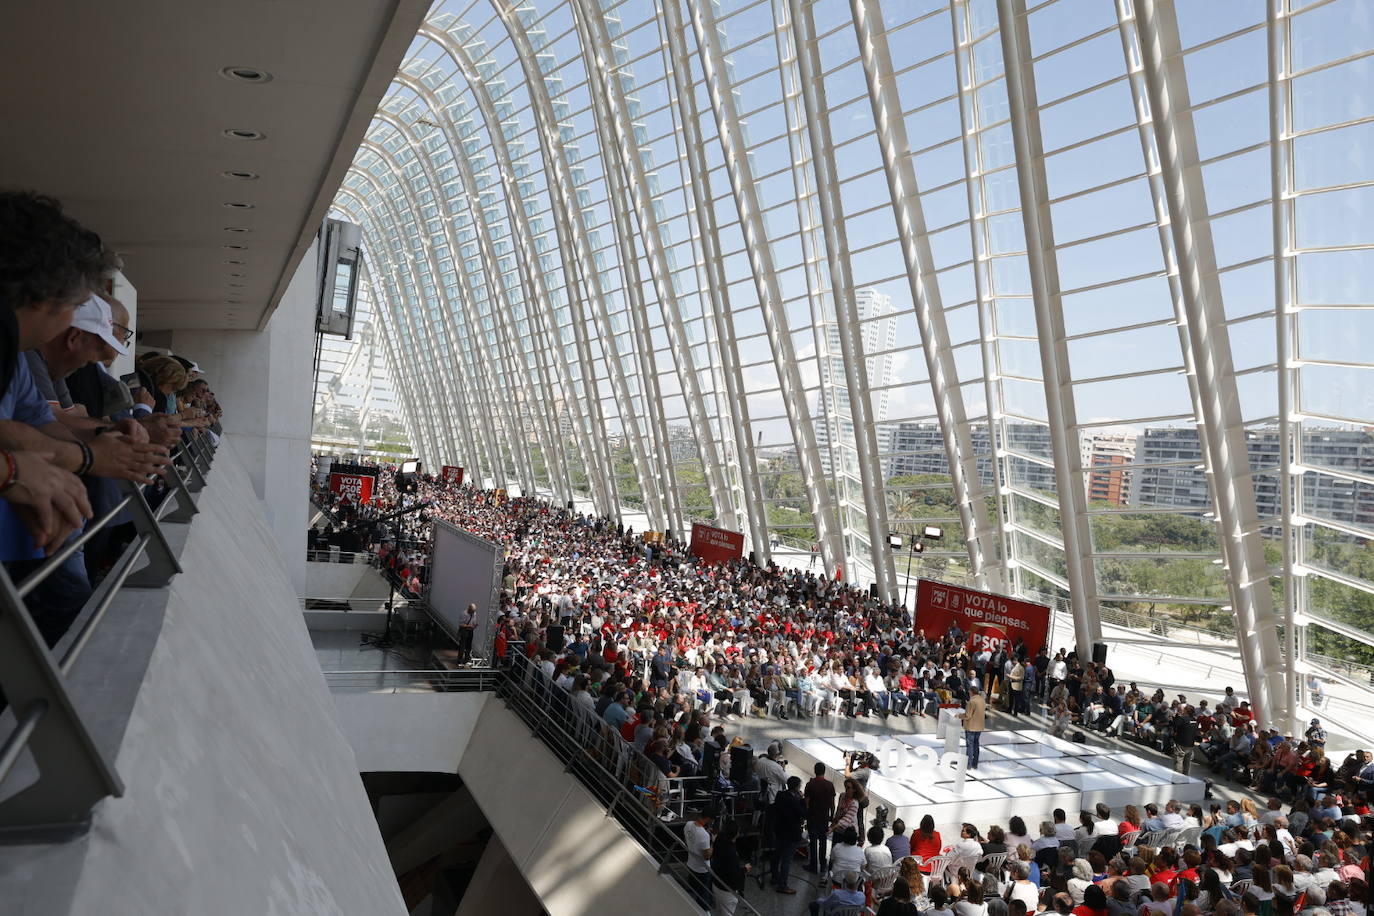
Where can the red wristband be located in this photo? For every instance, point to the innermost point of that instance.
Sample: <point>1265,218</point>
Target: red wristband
<point>11,471</point>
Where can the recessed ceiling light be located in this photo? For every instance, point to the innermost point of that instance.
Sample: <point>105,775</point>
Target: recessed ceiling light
<point>232,260</point>
<point>242,133</point>
<point>236,286</point>
<point>235,273</point>
<point>234,248</point>
<point>240,175</point>
<point>246,75</point>
<point>236,229</point>
<point>237,205</point>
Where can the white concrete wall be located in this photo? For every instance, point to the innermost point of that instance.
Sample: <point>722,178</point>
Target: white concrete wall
<point>343,580</point>
<point>241,793</point>
<point>409,732</point>
<point>263,380</point>
<point>574,858</point>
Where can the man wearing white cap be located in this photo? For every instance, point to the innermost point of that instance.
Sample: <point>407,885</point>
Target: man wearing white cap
<point>90,339</point>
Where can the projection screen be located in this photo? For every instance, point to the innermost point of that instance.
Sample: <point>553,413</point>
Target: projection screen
<point>463,570</point>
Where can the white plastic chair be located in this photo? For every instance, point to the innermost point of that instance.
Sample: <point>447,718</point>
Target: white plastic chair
<point>883,879</point>
<point>991,864</point>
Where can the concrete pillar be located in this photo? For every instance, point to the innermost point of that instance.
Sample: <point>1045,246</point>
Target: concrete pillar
<point>264,381</point>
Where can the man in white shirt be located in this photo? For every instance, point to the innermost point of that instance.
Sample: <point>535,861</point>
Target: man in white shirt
<point>1106,825</point>
<point>1172,819</point>
<point>968,850</point>
<point>771,773</point>
<point>699,851</point>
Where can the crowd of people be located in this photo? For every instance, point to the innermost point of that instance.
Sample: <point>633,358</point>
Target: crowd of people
<point>69,429</point>
<point>666,650</point>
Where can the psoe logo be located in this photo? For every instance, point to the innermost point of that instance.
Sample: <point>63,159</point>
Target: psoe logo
<point>920,764</point>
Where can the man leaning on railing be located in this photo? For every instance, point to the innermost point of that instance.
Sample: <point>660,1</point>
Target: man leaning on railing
<point>57,322</point>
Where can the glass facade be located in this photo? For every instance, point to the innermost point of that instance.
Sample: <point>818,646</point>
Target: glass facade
<point>1082,283</point>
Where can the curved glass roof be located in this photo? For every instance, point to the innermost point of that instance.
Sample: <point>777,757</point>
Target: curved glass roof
<point>1087,285</point>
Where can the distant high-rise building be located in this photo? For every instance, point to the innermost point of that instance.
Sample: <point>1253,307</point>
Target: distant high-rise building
<point>878,335</point>
<point>1107,457</point>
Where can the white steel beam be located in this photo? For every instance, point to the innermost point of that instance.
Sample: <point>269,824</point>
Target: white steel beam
<point>552,446</point>
<point>755,516</point>
<point>574,241</point>
<point>477,371</point>
<point>808,59</point>
<point>997,575</point>
<point>1049,320</point>
<point>531,266</point>
<point>626,184</point>
<point>464,436</point>
<point>1291,499</point>
<point>904,189</point>
<point>1226,455</point>
<point>500,362</point>
<point>766,285</point>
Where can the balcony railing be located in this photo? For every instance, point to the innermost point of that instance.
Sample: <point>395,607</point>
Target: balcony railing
<point>52,770</point>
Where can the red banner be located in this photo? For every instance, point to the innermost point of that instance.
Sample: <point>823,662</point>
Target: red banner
<point>453,475</point>
<point>716,545</point>
<point>357,487</point>
<point>990,621</point>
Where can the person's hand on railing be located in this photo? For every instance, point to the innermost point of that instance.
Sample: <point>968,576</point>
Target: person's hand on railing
<point>133,429</point>
<point>116,455</point>
<point>162,428</point>
<point>49,501</point>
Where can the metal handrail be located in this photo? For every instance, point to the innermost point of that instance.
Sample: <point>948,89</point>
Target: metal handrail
<point>456,680</point>
<point>330,555</point>
<point>73,773</point>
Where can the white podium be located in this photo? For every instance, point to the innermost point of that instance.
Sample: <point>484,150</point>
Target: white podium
<point>950,728</point>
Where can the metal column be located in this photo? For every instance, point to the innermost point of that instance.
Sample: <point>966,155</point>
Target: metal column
<point>713,266</point>
<point>766,284</point>
<point>997,574</point>
<point>431,398</point>
<point>1227,457</point>
<point>478,370</point>
<point>1049,320</point>
<point>1285,326</point>
<point>876,58</point>
<point>530,263</point>
<point>842,293</point>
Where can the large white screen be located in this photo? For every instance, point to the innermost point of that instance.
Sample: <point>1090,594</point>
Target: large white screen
<point>463,570</point>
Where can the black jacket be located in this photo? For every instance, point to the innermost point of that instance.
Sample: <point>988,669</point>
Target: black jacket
<point>789,813</point>
<point>727,866</point>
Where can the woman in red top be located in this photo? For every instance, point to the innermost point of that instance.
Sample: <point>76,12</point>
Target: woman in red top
<point>1129,821</point>
<point>925,842</point>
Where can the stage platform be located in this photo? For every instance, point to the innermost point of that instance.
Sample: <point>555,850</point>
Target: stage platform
<point>1029,772</point>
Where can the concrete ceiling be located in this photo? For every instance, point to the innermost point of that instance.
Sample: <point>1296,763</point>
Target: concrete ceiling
<point>119,110</point>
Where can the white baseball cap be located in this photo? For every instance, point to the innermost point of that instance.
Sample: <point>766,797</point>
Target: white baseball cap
<point>94,315</point>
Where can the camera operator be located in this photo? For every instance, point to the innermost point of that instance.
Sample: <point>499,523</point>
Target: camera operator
<point>772,772</point>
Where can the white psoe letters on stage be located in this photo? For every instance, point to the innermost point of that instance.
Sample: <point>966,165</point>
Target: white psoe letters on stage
<point>916,764</point>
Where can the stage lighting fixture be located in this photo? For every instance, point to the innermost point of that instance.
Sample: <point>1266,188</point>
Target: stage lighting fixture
<point>932,532</point>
